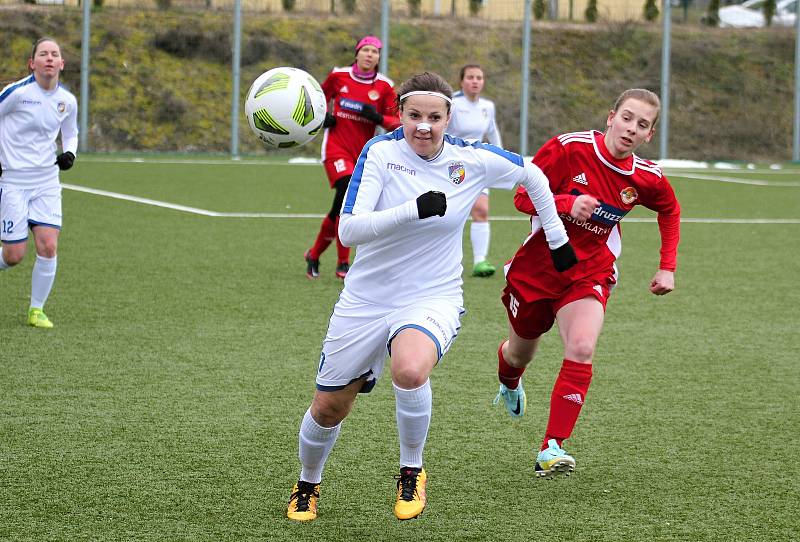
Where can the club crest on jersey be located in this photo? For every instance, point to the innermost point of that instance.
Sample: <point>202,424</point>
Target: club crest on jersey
<point>373,95</point>
<point>61,107</point>
<point>456,172</point>
<point>628,195</point>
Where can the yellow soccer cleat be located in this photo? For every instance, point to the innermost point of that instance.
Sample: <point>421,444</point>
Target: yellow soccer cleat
<point>303,501</point>
<point>37,318</point>
<point>411,496</point>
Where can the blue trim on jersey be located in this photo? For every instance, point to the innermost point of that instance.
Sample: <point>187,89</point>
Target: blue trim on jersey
<point>512,157</point>
<point>15,86</point>
<point>32,223</point>
<point>605,214</point>
<point>355,179</point>
<point>422,329</point>
<point>458,93</point>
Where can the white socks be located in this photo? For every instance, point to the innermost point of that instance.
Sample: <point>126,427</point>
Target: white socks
<point>3,264</point>
<point>316,443</point>
<point>413,409</point>
<point>44,274</point>
<point>479,234</point>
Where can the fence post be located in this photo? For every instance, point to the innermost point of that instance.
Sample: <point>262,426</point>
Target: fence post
<point>83,137</point>
<point>237,48</point>
<point>524,91</point>
<point>665,54</point>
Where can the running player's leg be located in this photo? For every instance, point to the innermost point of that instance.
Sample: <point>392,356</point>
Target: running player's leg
<point>580,323</point>
<point>421,335</point>
<point>352,358</point>
<point>44,217</point>
<point>480,235</point>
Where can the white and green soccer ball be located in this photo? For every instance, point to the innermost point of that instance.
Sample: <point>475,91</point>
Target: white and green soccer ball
<point>285,107</point>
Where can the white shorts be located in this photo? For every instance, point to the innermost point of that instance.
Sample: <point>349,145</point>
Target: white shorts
<point>21,208</point>
<point>360,337</point>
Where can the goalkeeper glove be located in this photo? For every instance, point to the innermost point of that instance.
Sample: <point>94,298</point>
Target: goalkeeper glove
<point>431,203</point>
<point>329,121</point>
<point>371,114</point>
<point>65,160</point>
<point>563,257</point>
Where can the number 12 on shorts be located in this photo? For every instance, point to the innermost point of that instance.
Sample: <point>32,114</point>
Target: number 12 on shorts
<point>8,226</point>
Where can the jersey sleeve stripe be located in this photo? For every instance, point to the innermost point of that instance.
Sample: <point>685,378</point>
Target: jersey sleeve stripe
<point>358,172</point>
<point>512,157</point>
<point>14,86</point>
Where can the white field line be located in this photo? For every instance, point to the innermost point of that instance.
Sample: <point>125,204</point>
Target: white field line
<point>735,180</point>
<point>220,162</point>
<point>205,212</point>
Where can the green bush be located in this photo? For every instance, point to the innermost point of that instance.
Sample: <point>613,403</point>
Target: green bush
<point>650,10</point>
<point>475,7</point>
<point>769,11</point>
<point>591,11</point>
<point>711,17</point>
<point>539,7</point>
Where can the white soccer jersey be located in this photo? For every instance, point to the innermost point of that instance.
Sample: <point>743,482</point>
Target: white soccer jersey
<point>30,120</point>
<point>419,259</point>
<point>473,121</point>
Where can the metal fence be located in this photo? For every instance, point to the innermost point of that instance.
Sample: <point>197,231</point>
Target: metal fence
<point>534,93</point>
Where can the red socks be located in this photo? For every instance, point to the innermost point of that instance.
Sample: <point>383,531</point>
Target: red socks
<point>507,374</point>
<point>569,393</point>
<point>326,235</point>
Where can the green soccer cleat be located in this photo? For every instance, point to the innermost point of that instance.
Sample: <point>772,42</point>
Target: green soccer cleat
<point>554,461</point>
<point>515,400</point>
<point>483,269</point>
<point>303,501</point>
<point>37,318</point>
<point>411,495</point>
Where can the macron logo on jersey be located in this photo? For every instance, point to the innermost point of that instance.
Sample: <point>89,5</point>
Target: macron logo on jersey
<point>399,167</point>
<point>580,179</point>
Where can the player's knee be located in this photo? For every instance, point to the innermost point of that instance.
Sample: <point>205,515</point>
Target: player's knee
<point>13,255</point>
<point>328,411</point>
<point>517,357</point>
<point>47,250</point>
<point>580,349</point>
<point>408,376</point>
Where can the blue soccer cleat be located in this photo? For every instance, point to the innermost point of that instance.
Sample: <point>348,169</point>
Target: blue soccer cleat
<point>515,400</point>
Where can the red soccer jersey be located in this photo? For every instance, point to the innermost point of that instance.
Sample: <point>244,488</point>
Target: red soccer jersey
<point>579,163</point>
<point>349,94</point>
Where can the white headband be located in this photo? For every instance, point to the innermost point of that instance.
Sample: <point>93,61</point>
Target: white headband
<point>425,93</point>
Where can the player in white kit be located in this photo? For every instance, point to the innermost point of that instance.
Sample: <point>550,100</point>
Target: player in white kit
<point>405,209</point>
<point>33,111</point>
<point>473,118</point>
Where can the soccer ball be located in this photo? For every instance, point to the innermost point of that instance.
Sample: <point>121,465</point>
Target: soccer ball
<point>285,107</point>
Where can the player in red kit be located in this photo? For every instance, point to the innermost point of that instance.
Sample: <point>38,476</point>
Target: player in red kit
<point>361,100</point>
<point>596,180</point>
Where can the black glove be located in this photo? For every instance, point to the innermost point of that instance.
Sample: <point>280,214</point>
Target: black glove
<point>65,160</point>
<point>563,257</point>
<point>431,203</point>
<point>329,121</point>
<point>371,114</point>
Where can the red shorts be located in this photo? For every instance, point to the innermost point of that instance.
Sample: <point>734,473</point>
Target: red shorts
<point>532,306</point>
<point>336,168</point>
